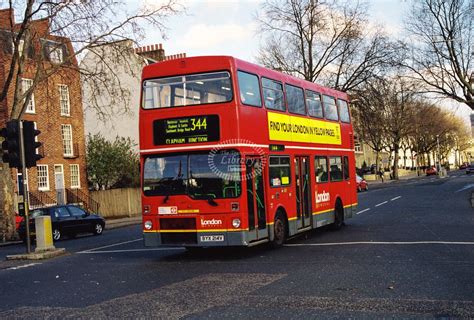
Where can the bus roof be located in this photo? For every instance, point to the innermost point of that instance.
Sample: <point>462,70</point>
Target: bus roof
<point>207,63</point>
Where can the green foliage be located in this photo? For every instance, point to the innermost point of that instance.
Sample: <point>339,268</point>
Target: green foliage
<point>112,164</point>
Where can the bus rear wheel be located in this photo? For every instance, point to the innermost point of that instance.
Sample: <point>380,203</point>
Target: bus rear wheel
<point>338,217</point>
<point>279,230</point>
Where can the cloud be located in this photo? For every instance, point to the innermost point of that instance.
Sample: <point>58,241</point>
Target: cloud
<point>203,36</point>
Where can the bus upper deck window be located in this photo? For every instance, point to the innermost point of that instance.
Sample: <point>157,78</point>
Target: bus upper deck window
<point>179,91</point>
<point>273,94</point>
<point>295,98</point>
<point>249,89</point>
<point>330,109</point>
<point>343,111</point>
<point>313,101</point>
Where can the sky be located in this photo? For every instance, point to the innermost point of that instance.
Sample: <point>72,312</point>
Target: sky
<point>229,27</point>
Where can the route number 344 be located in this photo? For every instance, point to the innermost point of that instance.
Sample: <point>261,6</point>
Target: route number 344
<point>199,123</point>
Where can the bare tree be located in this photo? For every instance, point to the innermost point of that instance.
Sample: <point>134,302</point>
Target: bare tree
<point>76,27</point>
<point>384,108</point>
<point>322,40</point>
<point>435,129</point>
<point>369,120</point>
<point>441,46</point>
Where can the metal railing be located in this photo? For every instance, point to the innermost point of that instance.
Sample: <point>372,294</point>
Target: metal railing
<point>78,197</point>
<point>39,199</point>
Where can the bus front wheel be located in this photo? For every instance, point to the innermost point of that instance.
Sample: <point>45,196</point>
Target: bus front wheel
<point>279,230</point>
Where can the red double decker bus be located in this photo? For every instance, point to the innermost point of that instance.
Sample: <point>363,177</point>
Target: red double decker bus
<point>234,154</point>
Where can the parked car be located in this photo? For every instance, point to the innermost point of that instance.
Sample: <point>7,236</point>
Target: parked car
<point>463,166</point>
<point>470,168</point>
<point>431,171</point>
<point>361,184</point>
<point>66,220</point>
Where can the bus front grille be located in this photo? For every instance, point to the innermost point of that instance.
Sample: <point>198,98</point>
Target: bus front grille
<point>178,224</point>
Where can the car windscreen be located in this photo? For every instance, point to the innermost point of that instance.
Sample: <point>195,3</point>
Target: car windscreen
<point>206,175</point>
<point>36,213</point>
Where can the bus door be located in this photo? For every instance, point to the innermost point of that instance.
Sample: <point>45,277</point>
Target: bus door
<point>255,198</point>
<point>303,192</point>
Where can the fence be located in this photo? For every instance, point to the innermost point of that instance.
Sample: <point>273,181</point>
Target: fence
<point>118,203</point>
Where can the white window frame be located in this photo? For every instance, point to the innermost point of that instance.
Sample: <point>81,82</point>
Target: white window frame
<point>41,185</point>
<point>64,100</point>
<point>67,143</point>
<point>26,84</point>
<point>78,185</point>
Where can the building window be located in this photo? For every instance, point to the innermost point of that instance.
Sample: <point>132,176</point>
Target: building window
<point>26,84</point>
<point>64,100</point>
<point>75,180</point>
<point>21,46</point>
<point>43,178</point>
<point>66,132</point>
<point>56,53</point>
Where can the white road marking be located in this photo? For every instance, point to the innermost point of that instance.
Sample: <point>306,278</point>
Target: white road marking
<point>111,245</point>
<point>378,243</point>
<point>382,203</point>
<point>23,266</point>
<point>363,211</point>
<point>129,250</point>
<point>396,198</point>
<point>469,186</point>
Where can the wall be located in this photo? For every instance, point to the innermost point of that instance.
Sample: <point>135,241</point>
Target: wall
<point>118,203</point>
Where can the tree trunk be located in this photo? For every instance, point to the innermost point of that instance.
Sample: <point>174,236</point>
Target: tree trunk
<point>7,212</point>
<point>377,163</point>
<point>396,149</point>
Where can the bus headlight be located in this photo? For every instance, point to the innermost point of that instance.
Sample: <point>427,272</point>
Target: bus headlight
<point>148,225</point>
<point>236,223</point>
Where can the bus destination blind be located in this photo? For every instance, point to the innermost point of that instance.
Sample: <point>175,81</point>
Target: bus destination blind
<point>186,130</point>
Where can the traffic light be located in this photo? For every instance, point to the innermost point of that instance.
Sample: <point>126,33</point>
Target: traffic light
<point>29,138</point>
<point>11,144</point>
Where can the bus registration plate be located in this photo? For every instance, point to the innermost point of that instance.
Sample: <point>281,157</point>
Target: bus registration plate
<point>214,238</point>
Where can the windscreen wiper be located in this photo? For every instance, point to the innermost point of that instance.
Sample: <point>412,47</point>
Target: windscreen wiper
<point>211,201</point>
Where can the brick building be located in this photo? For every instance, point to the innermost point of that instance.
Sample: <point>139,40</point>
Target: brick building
<point>55,107</point>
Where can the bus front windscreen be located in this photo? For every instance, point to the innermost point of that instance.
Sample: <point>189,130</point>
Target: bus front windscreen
<point>187,90</point>
<point>200,175</point>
